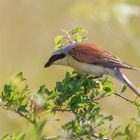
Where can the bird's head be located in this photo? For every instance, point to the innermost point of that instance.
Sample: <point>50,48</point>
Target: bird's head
<point>59,56</point>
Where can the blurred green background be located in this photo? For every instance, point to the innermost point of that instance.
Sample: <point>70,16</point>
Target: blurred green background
<point>27,31</point>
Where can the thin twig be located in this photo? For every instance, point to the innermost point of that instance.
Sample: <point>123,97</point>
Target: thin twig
<point>70,137</point>
<point>24,116</point>
<point>58,137</point>
<point>21,114</point>
<point>124,98</point>
<point>97,136</point>
<point>100,97</point>
<point>69,39</point>
<point>119,95</point>
<point>59,109</point>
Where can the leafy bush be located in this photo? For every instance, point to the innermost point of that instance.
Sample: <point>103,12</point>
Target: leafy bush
<point>75,94</point>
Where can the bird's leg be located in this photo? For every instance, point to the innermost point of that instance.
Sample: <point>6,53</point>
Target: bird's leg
<point>95,77</point>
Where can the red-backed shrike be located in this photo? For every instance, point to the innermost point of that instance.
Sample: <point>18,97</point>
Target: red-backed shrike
<point>87,58</point>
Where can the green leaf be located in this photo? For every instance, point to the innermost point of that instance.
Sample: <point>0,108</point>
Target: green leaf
<point>17,79</point>
<point>85,37</point>
<point>58,39</point>
<point>52,95</point>
<point>43,90</point>
<point>138,110</point>
<point>20,76</point>
<point>110,117</point>
<point>75,100</point>
<point>108,87</point>
<point>78,38</point>
<point>24,101</point>
<point>78,30</point>
<point>59,86</point>
<point>58,46</point>
<point>22,108</point>
<point>74,85</point>
<point>16,96</point>
<point>123,88</point>
<point>6,137</point>
<point>19,136</point>
<point>8,89</point>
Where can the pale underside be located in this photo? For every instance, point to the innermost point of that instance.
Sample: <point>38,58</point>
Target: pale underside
<point>84,68</point>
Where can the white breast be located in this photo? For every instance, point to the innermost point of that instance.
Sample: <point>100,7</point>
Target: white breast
<point>88,68</point>
<point>83,68</point>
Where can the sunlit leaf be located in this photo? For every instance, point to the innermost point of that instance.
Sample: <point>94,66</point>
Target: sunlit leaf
<point>52,95</point>
<point>123,88</point>
<point>19,136</point>
<point>17,79</point>
<point>64,30</point>
<point>78,38</point>
<point>43,90</point>
<point>58,46</point>
<point>58,39</point>
<point>78,30</point>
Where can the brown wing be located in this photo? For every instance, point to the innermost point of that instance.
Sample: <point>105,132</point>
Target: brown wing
<point>90,53</point>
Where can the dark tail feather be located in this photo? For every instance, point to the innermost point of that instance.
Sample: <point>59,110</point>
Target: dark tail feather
<point>127,82</point>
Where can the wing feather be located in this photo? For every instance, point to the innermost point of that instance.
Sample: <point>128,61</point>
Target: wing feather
<point>93,54</point>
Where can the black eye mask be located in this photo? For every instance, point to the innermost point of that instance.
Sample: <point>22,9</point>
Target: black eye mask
<point>54,58</point>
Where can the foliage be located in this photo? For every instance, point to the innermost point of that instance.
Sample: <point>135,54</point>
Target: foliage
<point>73,36</point>
<point>75,94</point>
<point>16,136</point>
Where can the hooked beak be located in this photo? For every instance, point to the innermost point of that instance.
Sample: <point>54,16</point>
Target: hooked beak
<point>47,64</point>
<point>50,61</point>
<point>54,58</point>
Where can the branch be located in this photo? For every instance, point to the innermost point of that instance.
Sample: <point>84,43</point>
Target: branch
<point>59,109</point>
<point>25,117</point>
<point>97,136</point>
<point>124,98</point>
<point>115,93</point>
<point>58,137</point>
<point>21,114</point>
<point>69,39</point>
<point>70,137</point>
<point>100,97</point>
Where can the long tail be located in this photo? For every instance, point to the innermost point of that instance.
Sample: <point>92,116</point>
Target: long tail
<point>126,81</point>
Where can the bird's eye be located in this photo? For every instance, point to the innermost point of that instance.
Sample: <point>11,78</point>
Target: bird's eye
<point>57,56</point>
<point>62,55</point>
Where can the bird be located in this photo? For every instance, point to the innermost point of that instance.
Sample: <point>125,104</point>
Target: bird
<point>89,58</point>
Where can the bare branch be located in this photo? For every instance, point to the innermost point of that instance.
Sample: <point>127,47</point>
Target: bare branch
<point>69,39</point>
<point>25,116</point>
<point>124,98</point>
<point>115,93</point>
<point>59,109</point>
<point>58,137</point>
<point>70,137</point>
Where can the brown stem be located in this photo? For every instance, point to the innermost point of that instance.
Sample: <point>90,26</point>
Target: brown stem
<point>24,116</point>
<point>124,98</point>
<point>69,39</point>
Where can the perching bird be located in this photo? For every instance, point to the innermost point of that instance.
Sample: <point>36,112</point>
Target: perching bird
<point>88,58</point>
